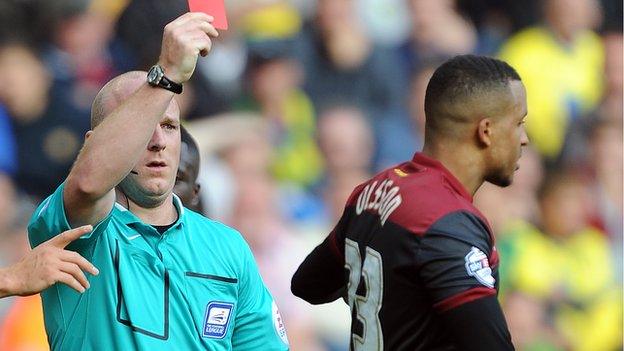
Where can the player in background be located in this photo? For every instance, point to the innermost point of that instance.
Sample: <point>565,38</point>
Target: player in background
<point>412,256</point>
<point>186,185</point>
<point>47,265</point>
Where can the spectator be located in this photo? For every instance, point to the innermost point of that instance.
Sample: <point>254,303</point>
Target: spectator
<point>341,63</point>
<point>8,157</point>
<point>438,30</point>
<point>561,63</point>
<point>257,213</point>
<point>528,323</point>
<point>346,140</point>
<point>274,91</point>
<point>568,265</point>
<point>605,146</point>
<point>47,128</point>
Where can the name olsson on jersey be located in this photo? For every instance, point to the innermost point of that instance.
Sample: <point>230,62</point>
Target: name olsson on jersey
<point>386,200</point>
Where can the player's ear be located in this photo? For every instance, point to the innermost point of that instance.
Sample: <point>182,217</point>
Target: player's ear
<point>195,199</point>
<point>484,132</point>
<point>88,134</point>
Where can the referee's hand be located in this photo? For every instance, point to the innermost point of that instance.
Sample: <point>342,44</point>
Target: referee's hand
<point>49,263</point>
<point>184,39</point>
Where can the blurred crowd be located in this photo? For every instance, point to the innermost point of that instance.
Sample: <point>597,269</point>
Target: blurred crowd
<point>300,101</point>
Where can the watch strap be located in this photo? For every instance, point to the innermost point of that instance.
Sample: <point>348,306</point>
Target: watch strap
<point>170,85</point>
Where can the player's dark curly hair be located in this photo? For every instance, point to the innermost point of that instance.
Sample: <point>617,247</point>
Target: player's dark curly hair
<point>463,80</point>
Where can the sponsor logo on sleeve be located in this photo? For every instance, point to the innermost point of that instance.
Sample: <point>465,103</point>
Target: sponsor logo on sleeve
<point>278,323</point>
<point>217,319</point>
<point>478,266</point>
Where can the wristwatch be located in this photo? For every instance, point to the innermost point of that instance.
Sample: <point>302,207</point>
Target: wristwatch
<point>156,78</point>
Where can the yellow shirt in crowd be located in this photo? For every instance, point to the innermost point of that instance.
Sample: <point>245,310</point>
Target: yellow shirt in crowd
<point>576,274</point>
<point>562,81</point>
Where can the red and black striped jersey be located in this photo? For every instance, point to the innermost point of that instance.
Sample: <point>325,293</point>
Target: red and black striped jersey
<point>409,247</point>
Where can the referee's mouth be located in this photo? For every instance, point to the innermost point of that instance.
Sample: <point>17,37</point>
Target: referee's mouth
<point>156,165</point>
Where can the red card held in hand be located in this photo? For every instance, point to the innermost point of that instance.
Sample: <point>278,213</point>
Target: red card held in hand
<point>214,8</point>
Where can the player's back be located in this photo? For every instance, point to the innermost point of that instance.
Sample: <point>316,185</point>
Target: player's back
<point>395,233</point>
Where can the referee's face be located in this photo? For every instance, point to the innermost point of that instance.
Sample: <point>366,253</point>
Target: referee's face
<point>509,138</point>
<point>152,179</point>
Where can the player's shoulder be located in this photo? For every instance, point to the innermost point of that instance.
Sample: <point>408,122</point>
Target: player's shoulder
<point>415,197</point>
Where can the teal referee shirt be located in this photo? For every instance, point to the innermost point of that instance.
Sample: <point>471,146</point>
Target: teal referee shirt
<point>196,287</point>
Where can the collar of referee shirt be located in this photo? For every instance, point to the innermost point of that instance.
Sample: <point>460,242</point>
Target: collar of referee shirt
<point>133,221</point>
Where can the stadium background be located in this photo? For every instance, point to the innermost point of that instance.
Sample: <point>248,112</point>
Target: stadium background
<point>299,101</point>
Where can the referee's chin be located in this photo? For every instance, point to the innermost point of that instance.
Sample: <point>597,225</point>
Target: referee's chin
<point>146,194</point>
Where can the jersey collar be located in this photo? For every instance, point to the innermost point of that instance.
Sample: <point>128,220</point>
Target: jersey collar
<point>428,162</point>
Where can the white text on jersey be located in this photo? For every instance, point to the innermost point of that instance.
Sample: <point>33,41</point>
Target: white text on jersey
<point>386,200</point>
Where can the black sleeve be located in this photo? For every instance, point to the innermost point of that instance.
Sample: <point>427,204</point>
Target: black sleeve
<point>321,276</point>
<point>453,259</point>
<point>478,325</point>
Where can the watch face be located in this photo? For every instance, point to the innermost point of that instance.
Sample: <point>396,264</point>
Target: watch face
<point>154,75</point>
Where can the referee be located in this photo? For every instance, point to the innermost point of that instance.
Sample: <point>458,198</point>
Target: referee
<point>170,279</point>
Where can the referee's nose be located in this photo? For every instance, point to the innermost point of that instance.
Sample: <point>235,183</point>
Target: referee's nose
<point>158,142</point>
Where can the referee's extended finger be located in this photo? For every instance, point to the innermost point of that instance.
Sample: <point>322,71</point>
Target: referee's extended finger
<point>73,270</point>
<point>68,236</point>
<point>83,263</point>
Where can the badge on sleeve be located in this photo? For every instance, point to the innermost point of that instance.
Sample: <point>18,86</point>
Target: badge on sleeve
<point>217,319</point>
<point>278,323</point>
<point>478,266</point>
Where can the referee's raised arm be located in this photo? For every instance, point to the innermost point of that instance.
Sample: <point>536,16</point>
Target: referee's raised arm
<point>121,131</point>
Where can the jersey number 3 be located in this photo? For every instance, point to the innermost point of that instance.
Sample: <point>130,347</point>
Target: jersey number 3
<point>366,302</point>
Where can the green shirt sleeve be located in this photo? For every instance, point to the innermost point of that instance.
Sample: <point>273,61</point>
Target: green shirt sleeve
<point>258,325</point>
<point>50,219</point>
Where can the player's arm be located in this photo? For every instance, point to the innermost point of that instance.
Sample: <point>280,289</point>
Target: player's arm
<point>46,265</point>
<point>321,276</point>
<point>114,147</point>
<point>478,325</point>
<point>453,259</point>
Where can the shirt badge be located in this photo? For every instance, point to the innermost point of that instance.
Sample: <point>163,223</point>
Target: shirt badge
<point>217,319</point>
<point>278,323</point>
<point>478,266</point>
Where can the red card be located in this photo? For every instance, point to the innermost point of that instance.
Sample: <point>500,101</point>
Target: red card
<point>214,8</point>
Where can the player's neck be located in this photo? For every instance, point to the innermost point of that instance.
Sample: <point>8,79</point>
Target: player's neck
<point>460,161</point>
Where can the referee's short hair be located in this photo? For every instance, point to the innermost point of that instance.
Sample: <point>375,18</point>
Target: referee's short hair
<point>459,86</point>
